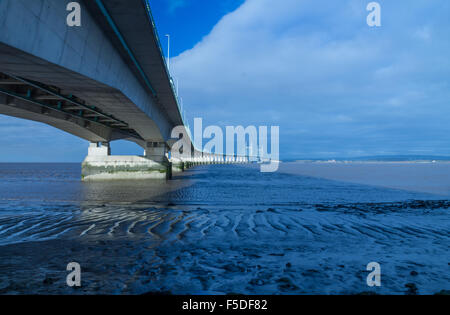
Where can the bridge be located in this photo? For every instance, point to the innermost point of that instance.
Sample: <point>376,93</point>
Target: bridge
<point>102,81</point>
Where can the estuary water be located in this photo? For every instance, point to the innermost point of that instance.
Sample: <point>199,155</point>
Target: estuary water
<point>310,228</point>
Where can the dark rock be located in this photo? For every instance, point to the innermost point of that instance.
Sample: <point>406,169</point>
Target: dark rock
<point>286,284</point>
<point>366,293</point>
<point>257,282</point>
<point>252,256</point>
<point>158,293</point>
<point>284,280</point>
<point>310,273</point>
<point>48,281</point>
<point>233,268</point>
<point>412,289</point>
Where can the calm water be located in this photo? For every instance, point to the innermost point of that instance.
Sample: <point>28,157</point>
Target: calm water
<point>227,229</point>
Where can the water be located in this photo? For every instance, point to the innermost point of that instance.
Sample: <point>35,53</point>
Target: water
<point>308,229</point>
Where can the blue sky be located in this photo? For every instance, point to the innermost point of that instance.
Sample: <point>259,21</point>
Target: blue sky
<point>336,87</point>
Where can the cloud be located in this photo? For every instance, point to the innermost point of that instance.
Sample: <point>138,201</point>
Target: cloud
<point>173,5</point>
<point>332,83</point>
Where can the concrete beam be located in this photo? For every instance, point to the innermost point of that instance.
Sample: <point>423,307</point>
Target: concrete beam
<point>79,60</point>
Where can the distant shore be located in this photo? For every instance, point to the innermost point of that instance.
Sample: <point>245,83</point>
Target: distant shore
<point>368,161</point>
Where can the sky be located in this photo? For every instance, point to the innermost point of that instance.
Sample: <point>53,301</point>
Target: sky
<point>336,87</point>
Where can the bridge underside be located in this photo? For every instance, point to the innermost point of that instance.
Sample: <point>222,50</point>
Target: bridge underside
<point>34,89</point>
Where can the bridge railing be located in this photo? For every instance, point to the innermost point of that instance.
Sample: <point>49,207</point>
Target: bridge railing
<point>174,90</point>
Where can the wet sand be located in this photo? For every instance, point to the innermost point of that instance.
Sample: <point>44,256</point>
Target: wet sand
<point>230,230</point>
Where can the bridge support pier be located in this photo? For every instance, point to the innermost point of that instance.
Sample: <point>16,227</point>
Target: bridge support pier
<point>177,165</point>
<point>99,149</point>
<point>101,165</point>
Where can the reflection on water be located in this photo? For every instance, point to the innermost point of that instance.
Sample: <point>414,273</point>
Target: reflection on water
<point>61,182</point>
<point>217,229</point>
<point>132,191</point>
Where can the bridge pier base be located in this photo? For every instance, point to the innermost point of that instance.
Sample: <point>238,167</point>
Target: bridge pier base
<point>177,165</point>
<point>101,165</point>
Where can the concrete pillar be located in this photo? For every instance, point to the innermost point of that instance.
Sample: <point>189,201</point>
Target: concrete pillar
<point>156,151</point>
<point>100,165</point>
<point>178,165</point>
<point>99,149</point>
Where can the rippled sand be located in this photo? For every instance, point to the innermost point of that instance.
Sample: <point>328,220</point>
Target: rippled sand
<point>220,233</point>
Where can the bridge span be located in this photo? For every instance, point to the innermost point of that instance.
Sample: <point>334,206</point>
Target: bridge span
<point>102,81</point>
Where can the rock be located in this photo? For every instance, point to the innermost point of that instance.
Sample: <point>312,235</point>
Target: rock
<point>443,292</point>
<point>257,282</point>
<point>414,273</point>
<point>310,272</point>
<point>366,293</point>
<point>158,293</point>
<point>412,289</point>
<point>286,284</point>
<point>4,285</point>
<point>48,281</point>
<point>233,268</point>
